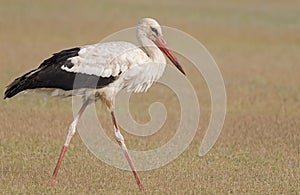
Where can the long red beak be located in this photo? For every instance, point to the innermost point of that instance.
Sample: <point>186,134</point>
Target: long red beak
<point>162,45</point>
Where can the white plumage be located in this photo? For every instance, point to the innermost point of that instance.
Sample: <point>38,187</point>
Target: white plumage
<point>135,70</point>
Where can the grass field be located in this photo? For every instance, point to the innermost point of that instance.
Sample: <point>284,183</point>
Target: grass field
<point>256,45</point>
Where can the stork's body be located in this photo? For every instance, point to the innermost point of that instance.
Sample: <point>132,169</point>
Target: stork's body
<point>100,71</point>
<point>127,66</point>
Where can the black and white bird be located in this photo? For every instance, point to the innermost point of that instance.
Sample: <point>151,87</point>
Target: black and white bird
<point>99,72</point>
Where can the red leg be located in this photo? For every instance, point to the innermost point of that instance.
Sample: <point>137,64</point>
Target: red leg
<point>121,142</point>
<point>71,132</point>
<point>62,154</point>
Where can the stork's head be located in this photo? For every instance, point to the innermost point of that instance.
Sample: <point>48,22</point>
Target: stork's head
<point>148,27</point>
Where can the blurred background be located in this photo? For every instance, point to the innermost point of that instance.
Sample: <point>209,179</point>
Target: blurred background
<point>256,46</point>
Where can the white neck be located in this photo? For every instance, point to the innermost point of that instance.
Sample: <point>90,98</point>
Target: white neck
<point>151,49</point>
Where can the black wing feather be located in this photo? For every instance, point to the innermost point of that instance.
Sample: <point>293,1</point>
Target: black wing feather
<point>50,75</point>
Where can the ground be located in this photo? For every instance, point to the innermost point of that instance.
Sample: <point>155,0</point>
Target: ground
<point>256,45</point>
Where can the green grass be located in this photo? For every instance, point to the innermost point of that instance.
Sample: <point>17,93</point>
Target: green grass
<point>256,46</point>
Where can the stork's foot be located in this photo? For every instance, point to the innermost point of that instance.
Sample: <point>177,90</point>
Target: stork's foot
<point>52,182</point>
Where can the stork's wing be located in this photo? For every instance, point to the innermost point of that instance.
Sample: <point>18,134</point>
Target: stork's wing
<point>106,59</point>
<point>93,66</point>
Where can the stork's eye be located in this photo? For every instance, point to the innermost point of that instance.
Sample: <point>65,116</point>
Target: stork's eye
<point>154,30</point>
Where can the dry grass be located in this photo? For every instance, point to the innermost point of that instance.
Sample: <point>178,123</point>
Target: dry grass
<point>257,48</point>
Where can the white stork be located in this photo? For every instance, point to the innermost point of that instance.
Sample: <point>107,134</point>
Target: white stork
<point>101,71</point>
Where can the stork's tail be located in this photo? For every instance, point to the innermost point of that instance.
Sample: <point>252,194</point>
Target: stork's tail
<point>19,84</point>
